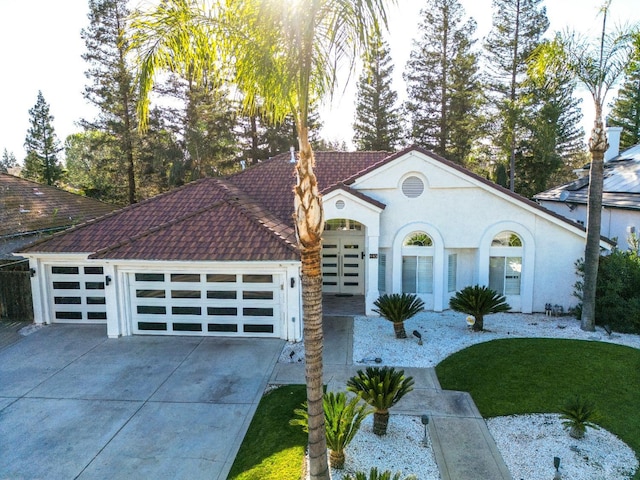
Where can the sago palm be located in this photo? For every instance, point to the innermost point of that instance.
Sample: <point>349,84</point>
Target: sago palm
<point>342,419</point>
<point>281,55</point>
<point>397,308</point>
<point>478,301</point>
<point>375,475</point>
<point>382,388</point>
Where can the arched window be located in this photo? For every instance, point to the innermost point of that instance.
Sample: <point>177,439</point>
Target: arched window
<point>417,263</point>
<point>505,263</point>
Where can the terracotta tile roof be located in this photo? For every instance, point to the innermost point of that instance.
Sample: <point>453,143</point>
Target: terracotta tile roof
<point>271,182</point>
<point>27,207</point>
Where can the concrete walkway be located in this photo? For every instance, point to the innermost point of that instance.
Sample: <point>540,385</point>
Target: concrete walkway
<point>463,447</point>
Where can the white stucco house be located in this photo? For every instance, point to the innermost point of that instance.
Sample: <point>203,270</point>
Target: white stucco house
<point>620,195</point>
<point>219,256</point>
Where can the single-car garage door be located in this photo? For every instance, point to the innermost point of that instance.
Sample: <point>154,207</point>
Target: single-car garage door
<point>185,303</point>
<point>77,294</point>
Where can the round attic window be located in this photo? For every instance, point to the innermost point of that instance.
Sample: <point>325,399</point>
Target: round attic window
<point>340,204</point>
<point>412,187</point>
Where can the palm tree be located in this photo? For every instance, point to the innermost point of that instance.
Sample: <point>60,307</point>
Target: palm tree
<point>382,388</point>
<point>285,55</point>
<point>397,308</point>
<point>343,418</point>
<point>598,67</point>
<point>478,301</point>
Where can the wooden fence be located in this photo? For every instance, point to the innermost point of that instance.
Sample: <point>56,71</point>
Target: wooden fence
<point>15,295</point>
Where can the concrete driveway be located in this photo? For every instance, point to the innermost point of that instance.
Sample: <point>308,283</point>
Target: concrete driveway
<point>75,404</point>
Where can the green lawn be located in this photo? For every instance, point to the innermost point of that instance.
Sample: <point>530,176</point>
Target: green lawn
<point>272,449</point>
<point>514,376</point>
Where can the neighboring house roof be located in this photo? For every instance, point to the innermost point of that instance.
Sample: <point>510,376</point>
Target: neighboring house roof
<point>621,184</point>
<point>247,216</point>
<point>28,207</point>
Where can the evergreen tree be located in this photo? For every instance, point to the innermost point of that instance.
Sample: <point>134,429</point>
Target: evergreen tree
<point>551,135</point>
<point>443,85</point>
<point>378,122</point>
<point>111,87</point>
<point>518,27</point>
<point>625,110</point>
<point>42,146</point>
<point>8,161</point>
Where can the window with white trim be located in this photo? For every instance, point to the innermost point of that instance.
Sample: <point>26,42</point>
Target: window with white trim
<point>505,263</point>
<point>452,274</point>
<point>417,263</point>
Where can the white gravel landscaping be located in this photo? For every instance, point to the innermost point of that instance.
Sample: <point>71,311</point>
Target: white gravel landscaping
<point>527,443</point>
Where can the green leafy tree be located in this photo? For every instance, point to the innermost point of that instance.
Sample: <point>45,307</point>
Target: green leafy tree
<point>7,161</point>
<point>378,124</point>
<point>625,110</point>
<point>442,82</point>
<point>478,301</point>
<point>42,146</point>
<point>286,55</point>
<point>598,67</point>
<point>518,27</point>
<point>112,87</point>
<point>397,308</point>
<point>342,420</point>
<point>382,388</point>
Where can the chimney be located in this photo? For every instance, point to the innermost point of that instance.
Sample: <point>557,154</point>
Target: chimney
<point>613,138</point>
<point>293,155</point>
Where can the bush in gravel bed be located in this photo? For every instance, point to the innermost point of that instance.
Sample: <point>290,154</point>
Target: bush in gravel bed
<point>478,301</point>
<point>374,475</point>
<point>342,419</point>
<point>382,388</point>
<point>397,308</point>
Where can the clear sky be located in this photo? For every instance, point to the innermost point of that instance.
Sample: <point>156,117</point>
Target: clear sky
<point>41,50</point>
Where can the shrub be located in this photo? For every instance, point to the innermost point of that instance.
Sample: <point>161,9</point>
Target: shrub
<point>382,388</point>
<point>577,414</point>
<point>617,291</point>
<point>342,419</point>
<point>397,308</point>
<point>478,301</point>
<point>374,475</point>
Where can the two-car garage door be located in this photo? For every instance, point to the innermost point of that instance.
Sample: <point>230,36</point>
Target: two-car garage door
<point>187,303</point>
<point>173,302</point>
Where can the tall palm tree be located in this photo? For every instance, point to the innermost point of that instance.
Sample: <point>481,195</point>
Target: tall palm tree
<point>284,54</point>
<point>598,67</point>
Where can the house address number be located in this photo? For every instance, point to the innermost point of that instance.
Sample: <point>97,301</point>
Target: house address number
<point>373,255</point>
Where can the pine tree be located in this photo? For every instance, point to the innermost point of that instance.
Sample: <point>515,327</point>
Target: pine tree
<point>111,87</point>
<point>8,161</point>
<point>625,110</point>
<point>443,85</point>
<point>518,27</point>
<point>551,135</point>
<point>378,124</point>
<point>42,146</point>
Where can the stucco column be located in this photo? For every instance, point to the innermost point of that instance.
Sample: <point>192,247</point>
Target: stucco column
<point>371,266</point>
<point>114,327</point>
<point>39,291</point>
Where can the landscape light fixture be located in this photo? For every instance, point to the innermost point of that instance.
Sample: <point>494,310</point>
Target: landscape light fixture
<point>556,463</point>
<point>418,335</point>
<point>425,421</point>
<point>607,329</point>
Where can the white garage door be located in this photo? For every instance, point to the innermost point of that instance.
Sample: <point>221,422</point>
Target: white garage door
<point>206,303</point>
<point>77,294</point>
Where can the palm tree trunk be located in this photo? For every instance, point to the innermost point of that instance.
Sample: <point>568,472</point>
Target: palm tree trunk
<point>597,145</point>
<point>380,422</point>
<point>398,328</point>
<point>337,459</point>
<point>478,326</point>
<point>309,220</point>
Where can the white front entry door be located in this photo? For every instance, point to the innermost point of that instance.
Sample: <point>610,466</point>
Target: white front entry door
<point>343,262</point>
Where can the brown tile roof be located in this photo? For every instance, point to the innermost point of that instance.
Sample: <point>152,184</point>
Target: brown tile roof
<point>271,182</point>
<point>244,217</point>
<point>27,206</point>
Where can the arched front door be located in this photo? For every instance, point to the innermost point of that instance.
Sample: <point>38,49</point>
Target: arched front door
<point>343,253</point>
